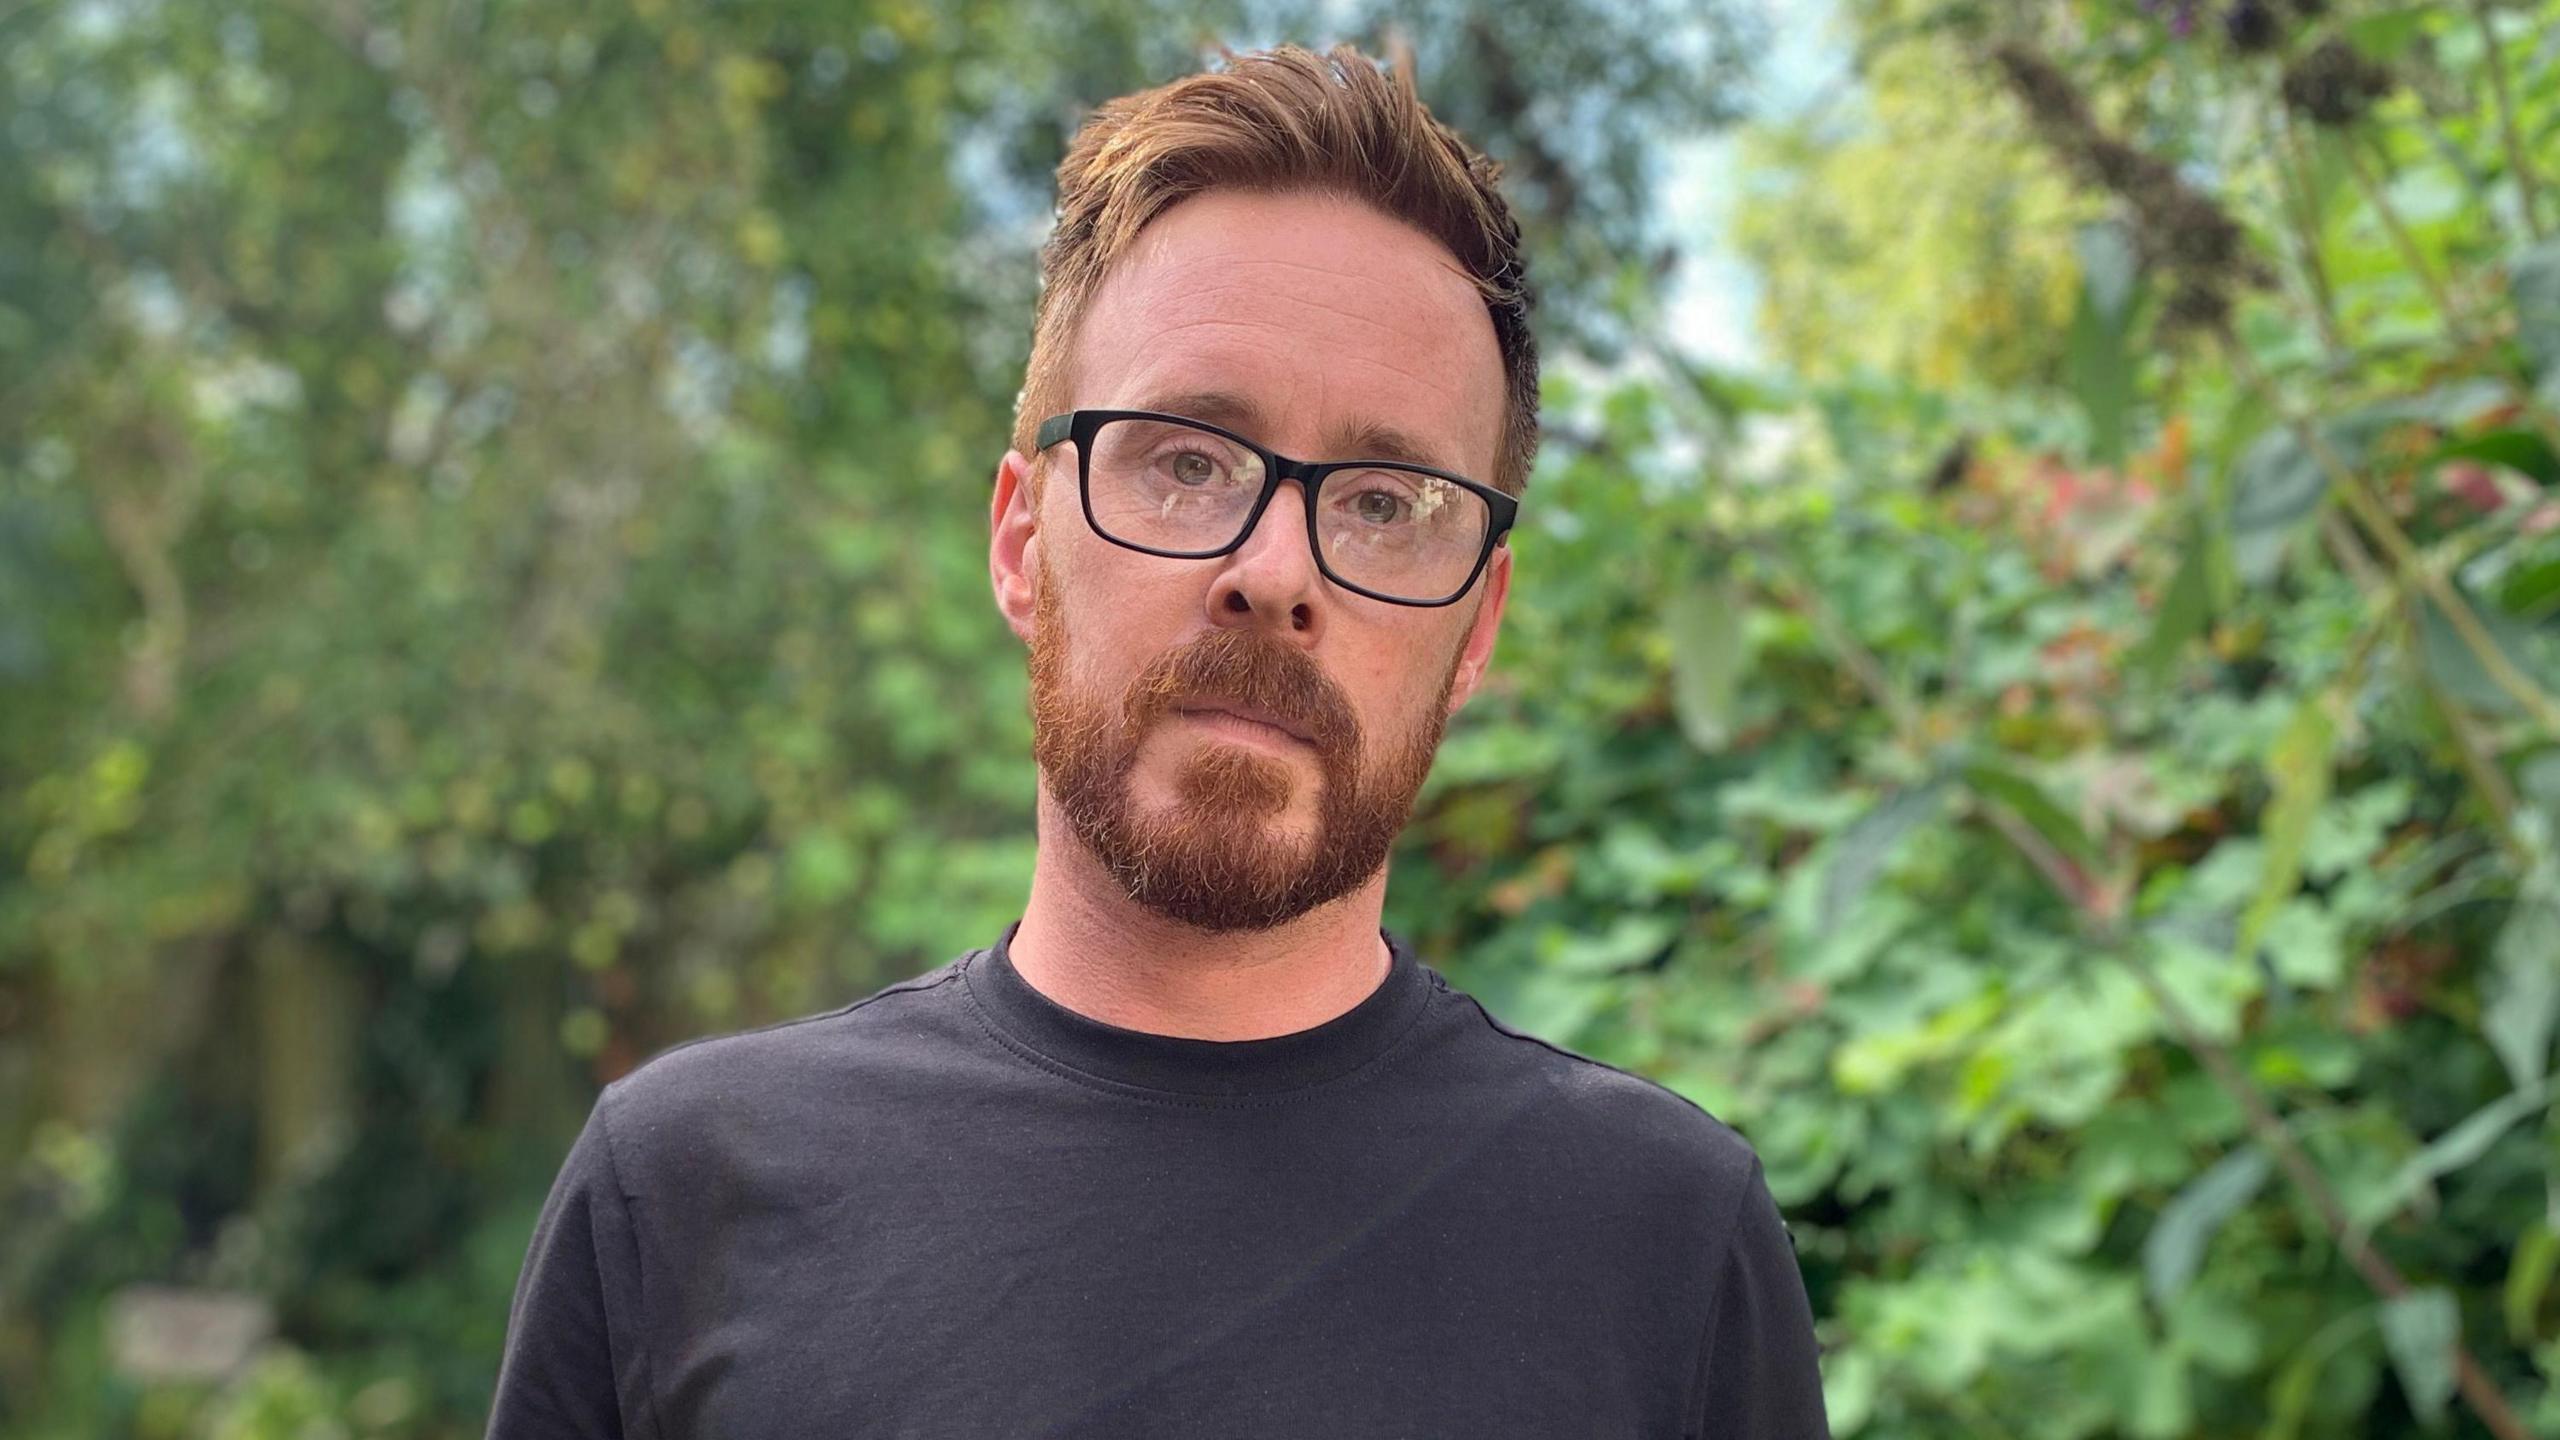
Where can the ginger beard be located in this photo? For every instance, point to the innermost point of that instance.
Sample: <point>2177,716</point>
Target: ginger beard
<point>1212,860</point>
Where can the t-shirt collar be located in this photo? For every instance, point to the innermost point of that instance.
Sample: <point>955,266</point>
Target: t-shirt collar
<point>1182,1064</point>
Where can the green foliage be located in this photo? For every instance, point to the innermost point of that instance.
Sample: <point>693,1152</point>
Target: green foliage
<point>1908,227</point>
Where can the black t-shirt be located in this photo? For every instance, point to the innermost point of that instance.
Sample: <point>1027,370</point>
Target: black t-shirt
<point>959,1209</point>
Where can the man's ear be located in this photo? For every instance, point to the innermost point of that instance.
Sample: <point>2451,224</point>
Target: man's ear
<point>1013,529</point>
<point>1476,652</point>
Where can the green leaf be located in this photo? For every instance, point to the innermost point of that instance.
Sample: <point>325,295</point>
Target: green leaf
<point>2420,1329</point>
<point>1859,855</point>
<point>2428,195</point>
<point>2277,485</point>
<point>2298,773</point>
<point>2466,1142</point>
<point>2387,35</point>
<point>2185,608</point>
<point>2097,357</point>
<point>1850,1384</point>
<point>1556,1006</point>
<point>2529,587</point>
<point>2279,481</point>
<point>2187,1224</point>
<point>1730,395</point>
<point>2522,451</point>
<point>2528,1278</point>
<point>1631,939</point>
<point>2035,807</point>
<point>2449,406</point>
<point>2452,662</point>
<point>2523,992</point>
<point>2299,1381</point>
<point>2538,781</point>
<point>2533,285</point>
<point>2110,271</point>
<point>1710,650</point>
<point>824,868</point>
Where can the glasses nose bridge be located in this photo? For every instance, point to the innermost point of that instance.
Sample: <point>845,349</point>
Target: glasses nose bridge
<point>1276,506</point>
<point>1305,472</point>
<point>1281,470</point>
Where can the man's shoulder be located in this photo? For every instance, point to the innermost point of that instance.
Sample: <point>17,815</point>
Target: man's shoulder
<point>770,1064</point>
<point>1612,1109</point>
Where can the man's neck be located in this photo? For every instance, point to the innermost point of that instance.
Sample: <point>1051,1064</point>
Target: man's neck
<point>1087,946</point>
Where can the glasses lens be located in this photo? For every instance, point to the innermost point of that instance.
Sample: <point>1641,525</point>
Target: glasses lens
<point>1169,486</point>
<point>1401,532</point>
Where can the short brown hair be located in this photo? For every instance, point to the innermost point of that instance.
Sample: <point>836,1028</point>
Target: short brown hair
<point>1283,119</point>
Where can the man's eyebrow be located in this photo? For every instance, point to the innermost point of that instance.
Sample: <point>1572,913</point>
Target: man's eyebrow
<point>1363,439</point>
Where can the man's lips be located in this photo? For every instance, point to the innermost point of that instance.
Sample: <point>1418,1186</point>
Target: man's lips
<point>1248,712</point>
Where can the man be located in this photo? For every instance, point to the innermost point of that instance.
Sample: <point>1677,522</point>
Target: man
<point>1195,1148</point>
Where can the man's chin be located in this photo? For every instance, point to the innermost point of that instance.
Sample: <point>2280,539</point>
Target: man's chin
<point>1220,897</point>
<point>1256,798</point>
<point>1250,843</point>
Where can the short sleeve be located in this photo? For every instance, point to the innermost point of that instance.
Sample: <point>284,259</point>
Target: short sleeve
<point>1760,1376</point>
<point>569,1328</point>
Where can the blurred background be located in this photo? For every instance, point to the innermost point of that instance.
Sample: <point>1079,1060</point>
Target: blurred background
<point>2032,690</point>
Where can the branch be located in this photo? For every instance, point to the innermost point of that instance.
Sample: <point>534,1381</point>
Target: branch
<point>1851,651</point>
<point>2407,244</point>
<point>2298,203</point>
<point>2370,581</point>
<point>2465,335</point>
<point>2405,560</point>
<point>2527,198</point>
<point>2269,1130</point>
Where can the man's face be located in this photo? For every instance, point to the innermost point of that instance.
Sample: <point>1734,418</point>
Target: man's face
<point>1317,318</point>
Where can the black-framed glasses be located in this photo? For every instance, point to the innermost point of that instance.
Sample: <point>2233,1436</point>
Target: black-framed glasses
<point>1189,490</point>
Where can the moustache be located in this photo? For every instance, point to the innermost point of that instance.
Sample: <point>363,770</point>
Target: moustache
<point>1249,669</point>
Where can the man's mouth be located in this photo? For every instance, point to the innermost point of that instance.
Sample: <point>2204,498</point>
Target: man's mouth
<point>1275,726</point>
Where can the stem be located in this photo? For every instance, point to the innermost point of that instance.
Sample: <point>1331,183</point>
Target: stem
<point>1853,653</point>
<point>2300,206</point>
<point>2405,559</point>
<point>2537,411</point>
<point>2410,567</point>
<point>2454,160</point>
<point>2090,897</point>
<point>2486,778</point>
<point>2527,198</point>
<point>2455,324</point>
<point>2496,794</point>
<point>2340,537</point>
<point>2269,1130</point>
<point>2410,254</point>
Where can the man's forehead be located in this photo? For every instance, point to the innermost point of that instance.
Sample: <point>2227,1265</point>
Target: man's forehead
<point>1224,222</point>
<point>1245,309</point>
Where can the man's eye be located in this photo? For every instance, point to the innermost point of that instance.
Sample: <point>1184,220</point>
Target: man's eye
<point>1378,507</point>
<point>1190,467</point>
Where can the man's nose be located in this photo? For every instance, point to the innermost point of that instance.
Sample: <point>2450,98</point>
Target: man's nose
<point>1271,579</point>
